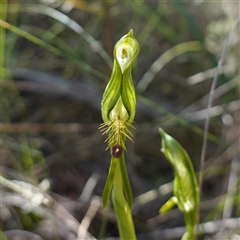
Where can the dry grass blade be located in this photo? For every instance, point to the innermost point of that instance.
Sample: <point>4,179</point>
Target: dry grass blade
<point>210,101</point>
<point>82,231</point>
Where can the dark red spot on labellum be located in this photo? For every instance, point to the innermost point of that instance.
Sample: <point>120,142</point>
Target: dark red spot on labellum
<point>117,151</point>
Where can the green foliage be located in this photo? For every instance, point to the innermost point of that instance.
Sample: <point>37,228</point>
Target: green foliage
<point>70,43</point>
<point>186,189</point>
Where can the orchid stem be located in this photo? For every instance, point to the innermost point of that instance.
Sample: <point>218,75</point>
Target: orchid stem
<point>124,217</point>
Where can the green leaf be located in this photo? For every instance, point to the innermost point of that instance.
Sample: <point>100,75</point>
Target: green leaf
<point>121,207</point>
<point>109,182</point>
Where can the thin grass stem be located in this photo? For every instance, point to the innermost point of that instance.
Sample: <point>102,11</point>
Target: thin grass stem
<point>210,102</point>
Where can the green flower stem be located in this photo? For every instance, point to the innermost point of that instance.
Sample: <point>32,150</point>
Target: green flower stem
<point>124,217</point>
<point>126,183</point>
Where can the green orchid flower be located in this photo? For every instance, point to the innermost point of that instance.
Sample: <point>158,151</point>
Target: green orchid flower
<point>186,188</point>
<point>118,112</point>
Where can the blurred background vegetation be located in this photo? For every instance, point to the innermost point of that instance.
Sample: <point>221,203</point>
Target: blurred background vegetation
<point>55,62</point>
